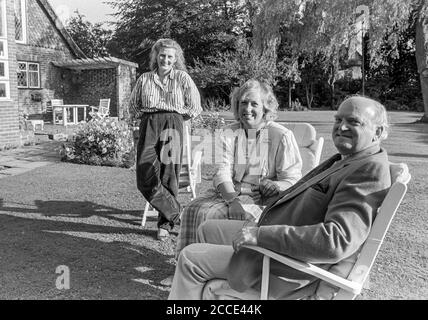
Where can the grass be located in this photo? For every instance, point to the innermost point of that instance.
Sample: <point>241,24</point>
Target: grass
<point>88,219</point>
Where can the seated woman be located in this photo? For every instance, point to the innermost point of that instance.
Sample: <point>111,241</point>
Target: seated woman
<point>256,158</point>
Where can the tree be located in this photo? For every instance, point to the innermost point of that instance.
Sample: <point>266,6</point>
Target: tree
<point>325,25</point>
<point>420,12</point>
<point>203,28</point>
<point>230,69</point>
<point>93,39</point>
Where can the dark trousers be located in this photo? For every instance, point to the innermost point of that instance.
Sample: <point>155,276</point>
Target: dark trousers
<point>159,155</point>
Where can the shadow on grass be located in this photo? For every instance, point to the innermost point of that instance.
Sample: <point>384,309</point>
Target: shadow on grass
<point>75,210</point>
<point>409,155</point>
<point>105,261</point>
<point>418,131</point>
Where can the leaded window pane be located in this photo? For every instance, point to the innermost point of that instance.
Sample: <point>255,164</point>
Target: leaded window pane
<point>33,79</point>
<point>33,67</point>
<point>22,79</point>
<point>18,21</point>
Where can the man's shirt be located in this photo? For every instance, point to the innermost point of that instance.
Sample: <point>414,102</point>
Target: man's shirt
<point>177,93</point>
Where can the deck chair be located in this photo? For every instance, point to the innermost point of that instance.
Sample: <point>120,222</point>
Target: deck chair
<point>57,113</point>
<point>310,147</point>
<point>102,111</point>
<point>345,288</point>
<point>190,173</point>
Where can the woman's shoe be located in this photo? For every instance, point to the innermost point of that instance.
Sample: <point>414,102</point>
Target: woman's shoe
<point>163,234</point>
<point>167,281</point>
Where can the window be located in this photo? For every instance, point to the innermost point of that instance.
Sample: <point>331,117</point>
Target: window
<point>4,57</point>
<point>2,19</point>
<point>20,21</point>
<point>28,75</point>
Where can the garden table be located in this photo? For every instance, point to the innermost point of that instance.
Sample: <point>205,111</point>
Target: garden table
<point>75,108</point>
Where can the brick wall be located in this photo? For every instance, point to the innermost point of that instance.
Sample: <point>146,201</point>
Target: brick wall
<point>88,87</point>
<point>9,123</point>
<point>44,44</point>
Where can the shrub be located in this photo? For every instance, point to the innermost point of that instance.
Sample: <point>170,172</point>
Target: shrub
<point>104,142</point>
<point>209,120</point>
<point>215,104</point>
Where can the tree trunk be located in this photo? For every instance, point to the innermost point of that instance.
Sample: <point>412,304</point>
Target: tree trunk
<point>309,95</point>
<point>290,88</point>
<point>331,83</point>
<point>422,58</point>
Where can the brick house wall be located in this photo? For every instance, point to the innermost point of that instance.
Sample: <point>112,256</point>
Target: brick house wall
<point>88,87</point>
<point>47,44</point>
<point>44,45</point>
<point>9,119</point>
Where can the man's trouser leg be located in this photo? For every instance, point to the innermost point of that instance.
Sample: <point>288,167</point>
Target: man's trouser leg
<point>201,262</point>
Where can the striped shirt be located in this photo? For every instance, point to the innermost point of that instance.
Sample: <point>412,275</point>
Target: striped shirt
<point>178,93</point>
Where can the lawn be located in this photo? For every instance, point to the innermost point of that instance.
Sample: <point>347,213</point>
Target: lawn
<point>88,219</point>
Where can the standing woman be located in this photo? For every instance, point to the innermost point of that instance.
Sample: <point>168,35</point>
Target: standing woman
<point>163,98</point>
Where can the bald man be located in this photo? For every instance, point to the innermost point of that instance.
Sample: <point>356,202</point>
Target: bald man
<point>323,219</point>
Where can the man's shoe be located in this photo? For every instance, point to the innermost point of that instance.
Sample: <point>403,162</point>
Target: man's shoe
<point>163,234</point>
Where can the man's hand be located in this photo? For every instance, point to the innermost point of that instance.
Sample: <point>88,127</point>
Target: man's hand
<point>268,188</point>
<point>237,211</point>
<point>246,236</point>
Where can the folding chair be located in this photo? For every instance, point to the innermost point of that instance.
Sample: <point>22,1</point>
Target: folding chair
<point>102,111</point>
<point>310,147</point>
<point>190,173</point>
<point>348,287</point>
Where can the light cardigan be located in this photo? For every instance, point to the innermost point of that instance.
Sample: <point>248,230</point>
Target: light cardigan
<point>274,156</point>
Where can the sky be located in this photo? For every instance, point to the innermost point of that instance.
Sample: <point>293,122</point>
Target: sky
<point>94,10</point>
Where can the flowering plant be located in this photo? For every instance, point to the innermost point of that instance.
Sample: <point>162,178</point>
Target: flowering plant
<point>103,142</point>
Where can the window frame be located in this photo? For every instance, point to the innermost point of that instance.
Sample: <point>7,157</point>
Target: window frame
<point>3,19</point>
<point>27,72</point>
<point>23,14</point>
<point>7,83</point>
<point>5,57</point>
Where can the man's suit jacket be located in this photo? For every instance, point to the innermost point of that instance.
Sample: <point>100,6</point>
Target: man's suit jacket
<point>322,220</point>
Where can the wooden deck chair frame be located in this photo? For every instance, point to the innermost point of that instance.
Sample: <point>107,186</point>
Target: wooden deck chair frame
<point>191,172</point>
<point>350,287</point>
<point>102,110</point>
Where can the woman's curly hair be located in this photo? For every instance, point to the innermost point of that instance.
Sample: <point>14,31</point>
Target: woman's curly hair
<point>270,103</point>
<point>180,64</point>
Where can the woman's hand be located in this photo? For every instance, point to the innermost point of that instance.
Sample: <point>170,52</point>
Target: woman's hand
<point>247,235</point>
<point>268,188</point>
<point>236,210</point>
